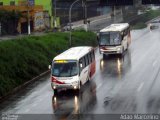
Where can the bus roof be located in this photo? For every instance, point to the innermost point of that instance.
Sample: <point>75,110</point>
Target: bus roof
<point>74,53</point>
<point>115,27</point>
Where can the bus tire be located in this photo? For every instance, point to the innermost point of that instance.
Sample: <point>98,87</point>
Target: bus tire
<point>79,88</point>
<point>104,56</point>
<point>55,91</point>
<point>122,54</point>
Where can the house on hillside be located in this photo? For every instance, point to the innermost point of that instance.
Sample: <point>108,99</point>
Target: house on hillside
<point>35,14</point>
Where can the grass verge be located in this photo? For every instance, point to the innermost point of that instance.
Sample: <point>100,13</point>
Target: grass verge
<point>24,58</point>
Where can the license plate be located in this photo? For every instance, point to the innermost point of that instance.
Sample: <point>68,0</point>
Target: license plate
<point>64,89</point>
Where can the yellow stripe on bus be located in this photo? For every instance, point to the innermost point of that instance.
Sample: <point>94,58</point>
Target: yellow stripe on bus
<point>61,61</point>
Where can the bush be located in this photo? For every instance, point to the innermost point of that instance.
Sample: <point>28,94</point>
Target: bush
<point>24,58</point>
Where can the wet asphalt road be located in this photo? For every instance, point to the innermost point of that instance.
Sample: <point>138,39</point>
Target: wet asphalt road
<point>128,84</point>
<point>101,23</point>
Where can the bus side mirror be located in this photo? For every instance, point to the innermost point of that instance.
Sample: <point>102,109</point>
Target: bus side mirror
<point>49,67</point>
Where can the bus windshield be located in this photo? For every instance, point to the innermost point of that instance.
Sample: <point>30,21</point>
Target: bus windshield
<point>110,38</point>
<point>65,69</point>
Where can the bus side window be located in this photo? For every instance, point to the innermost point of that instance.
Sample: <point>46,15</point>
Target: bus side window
<point>86,60</point>
<point>93,57</point>
<point>82,64</point>
<point>89,58</point>
<point>90,54</point>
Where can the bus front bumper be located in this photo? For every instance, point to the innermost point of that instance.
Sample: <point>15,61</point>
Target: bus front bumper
<point>110,52</point>
<point>116,50</point>
<point>64,86</point>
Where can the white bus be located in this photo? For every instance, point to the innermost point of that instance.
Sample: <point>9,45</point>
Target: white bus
<point>114,39</point>
<point>72,68</point>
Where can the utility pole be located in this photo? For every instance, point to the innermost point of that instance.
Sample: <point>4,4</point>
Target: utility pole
<point>84,4</point>
<point>28,16</point>
<point>113,14</point>
<point>84,10</point>
<point>70,18</point>
<point>55,20</point>
<point>70,26</point>
<point>0,29</point>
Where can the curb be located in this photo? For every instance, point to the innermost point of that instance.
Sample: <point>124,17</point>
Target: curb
<point>23,85</point>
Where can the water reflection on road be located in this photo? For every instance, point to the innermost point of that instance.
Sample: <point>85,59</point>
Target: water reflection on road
<point>74,102</point>
<point>115,66</point>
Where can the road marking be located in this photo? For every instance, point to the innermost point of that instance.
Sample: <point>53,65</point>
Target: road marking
<point>40,99</point>
<point>34,105</point>
<point>99,86</point>
<point>154,63</point>
<point>140,87</point>
<point>27,110</point>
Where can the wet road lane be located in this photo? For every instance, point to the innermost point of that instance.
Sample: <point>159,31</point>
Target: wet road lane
<point>128,84</point>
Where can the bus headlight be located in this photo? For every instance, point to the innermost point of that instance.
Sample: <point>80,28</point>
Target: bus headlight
<point>75,87</point>
<point>54,87</point>
<point>102,63</point>
<point>119,49</point>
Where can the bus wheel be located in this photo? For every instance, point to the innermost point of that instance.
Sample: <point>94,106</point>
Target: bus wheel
<point>122,54</point>
<point>104,56</point>
<point>79,88</point>
<point>55,91</point>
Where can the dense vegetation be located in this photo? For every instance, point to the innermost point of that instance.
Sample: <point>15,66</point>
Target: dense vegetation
<point>22,59</point>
